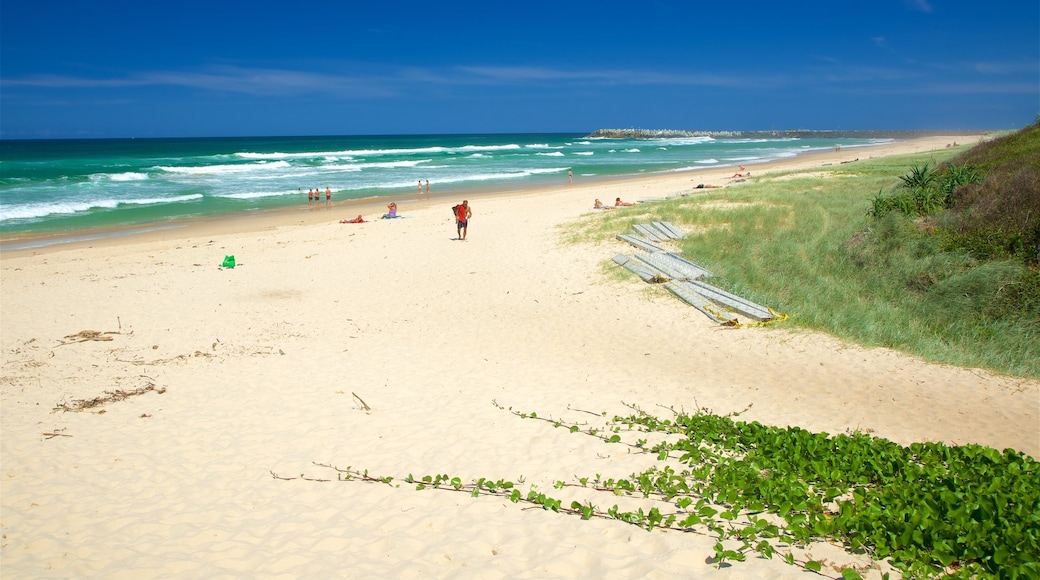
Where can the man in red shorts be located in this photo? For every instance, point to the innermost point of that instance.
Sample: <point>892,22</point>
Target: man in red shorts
<point>462,215</point>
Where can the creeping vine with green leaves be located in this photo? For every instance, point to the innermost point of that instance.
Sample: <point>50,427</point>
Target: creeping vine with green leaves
<point>930,509</point>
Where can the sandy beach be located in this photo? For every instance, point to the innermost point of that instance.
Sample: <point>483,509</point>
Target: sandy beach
<point>235,376</point>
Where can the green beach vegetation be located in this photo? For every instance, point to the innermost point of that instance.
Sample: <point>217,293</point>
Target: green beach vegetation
<point>932,254</point>
<point>928,509</point>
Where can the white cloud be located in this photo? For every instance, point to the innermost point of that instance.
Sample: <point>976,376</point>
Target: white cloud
<point>222,78</point>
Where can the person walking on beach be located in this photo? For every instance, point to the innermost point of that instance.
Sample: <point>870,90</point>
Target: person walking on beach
<point>570,176</point>
<point>462,215</point>
<point>328,196</point>
<point>310,197</point>
<point>427,187</point>
<point>420,188</point>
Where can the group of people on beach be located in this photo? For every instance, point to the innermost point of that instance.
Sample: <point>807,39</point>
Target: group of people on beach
<point>420,186</point>
<point>739,174</point>
<point>462,212</point>
<point>314,196</point>
<point>617,203</point>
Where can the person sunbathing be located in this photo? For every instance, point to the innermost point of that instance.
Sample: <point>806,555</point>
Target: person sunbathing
<point>619,203</point>
<point>392,213</point>
<point>599,205</point>
<point>357,220</point>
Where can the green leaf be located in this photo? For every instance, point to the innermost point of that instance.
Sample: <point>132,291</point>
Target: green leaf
<point>850,574</point>
<point>813,565</point>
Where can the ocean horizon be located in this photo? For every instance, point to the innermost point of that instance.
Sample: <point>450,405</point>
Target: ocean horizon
<point>70,188</point>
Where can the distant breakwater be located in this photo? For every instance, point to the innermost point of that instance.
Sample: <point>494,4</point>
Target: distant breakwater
<point>789,134</point>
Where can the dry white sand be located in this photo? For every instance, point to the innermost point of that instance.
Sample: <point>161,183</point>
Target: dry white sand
<point>254,371</point>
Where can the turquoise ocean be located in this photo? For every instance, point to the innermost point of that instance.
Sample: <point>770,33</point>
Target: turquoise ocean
<point>65,189</point>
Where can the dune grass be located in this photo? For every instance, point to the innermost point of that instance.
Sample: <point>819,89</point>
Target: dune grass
<point>804,245</point>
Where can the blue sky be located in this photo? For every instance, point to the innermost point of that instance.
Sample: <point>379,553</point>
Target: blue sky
<point>230,68</point>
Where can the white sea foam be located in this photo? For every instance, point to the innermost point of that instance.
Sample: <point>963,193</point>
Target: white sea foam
<point>504,175</point>
<point>256,194</point>
<point>678,141</point>
<point>128,176</point>
<point>855,146</point>
<point>224,169</point>
<point>584,152</point>
<point>511,146</point>
<point>552,154</point>
<point>386,164</point>
<point>632,150</point>
<point>374,152</point>
<point>152,200</point>
<point>707,161</point>
<point>39,210</point>
<point>478,177</point>
<point>776,140</point>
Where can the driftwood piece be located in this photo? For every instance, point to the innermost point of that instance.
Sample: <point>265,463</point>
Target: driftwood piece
<point>364,405</point>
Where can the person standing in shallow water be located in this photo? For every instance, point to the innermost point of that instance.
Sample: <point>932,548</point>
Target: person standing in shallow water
<point>462,215</point>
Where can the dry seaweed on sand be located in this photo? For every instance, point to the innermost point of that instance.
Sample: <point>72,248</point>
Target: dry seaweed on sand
<point>88,335</point>
<point>108,397</point>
